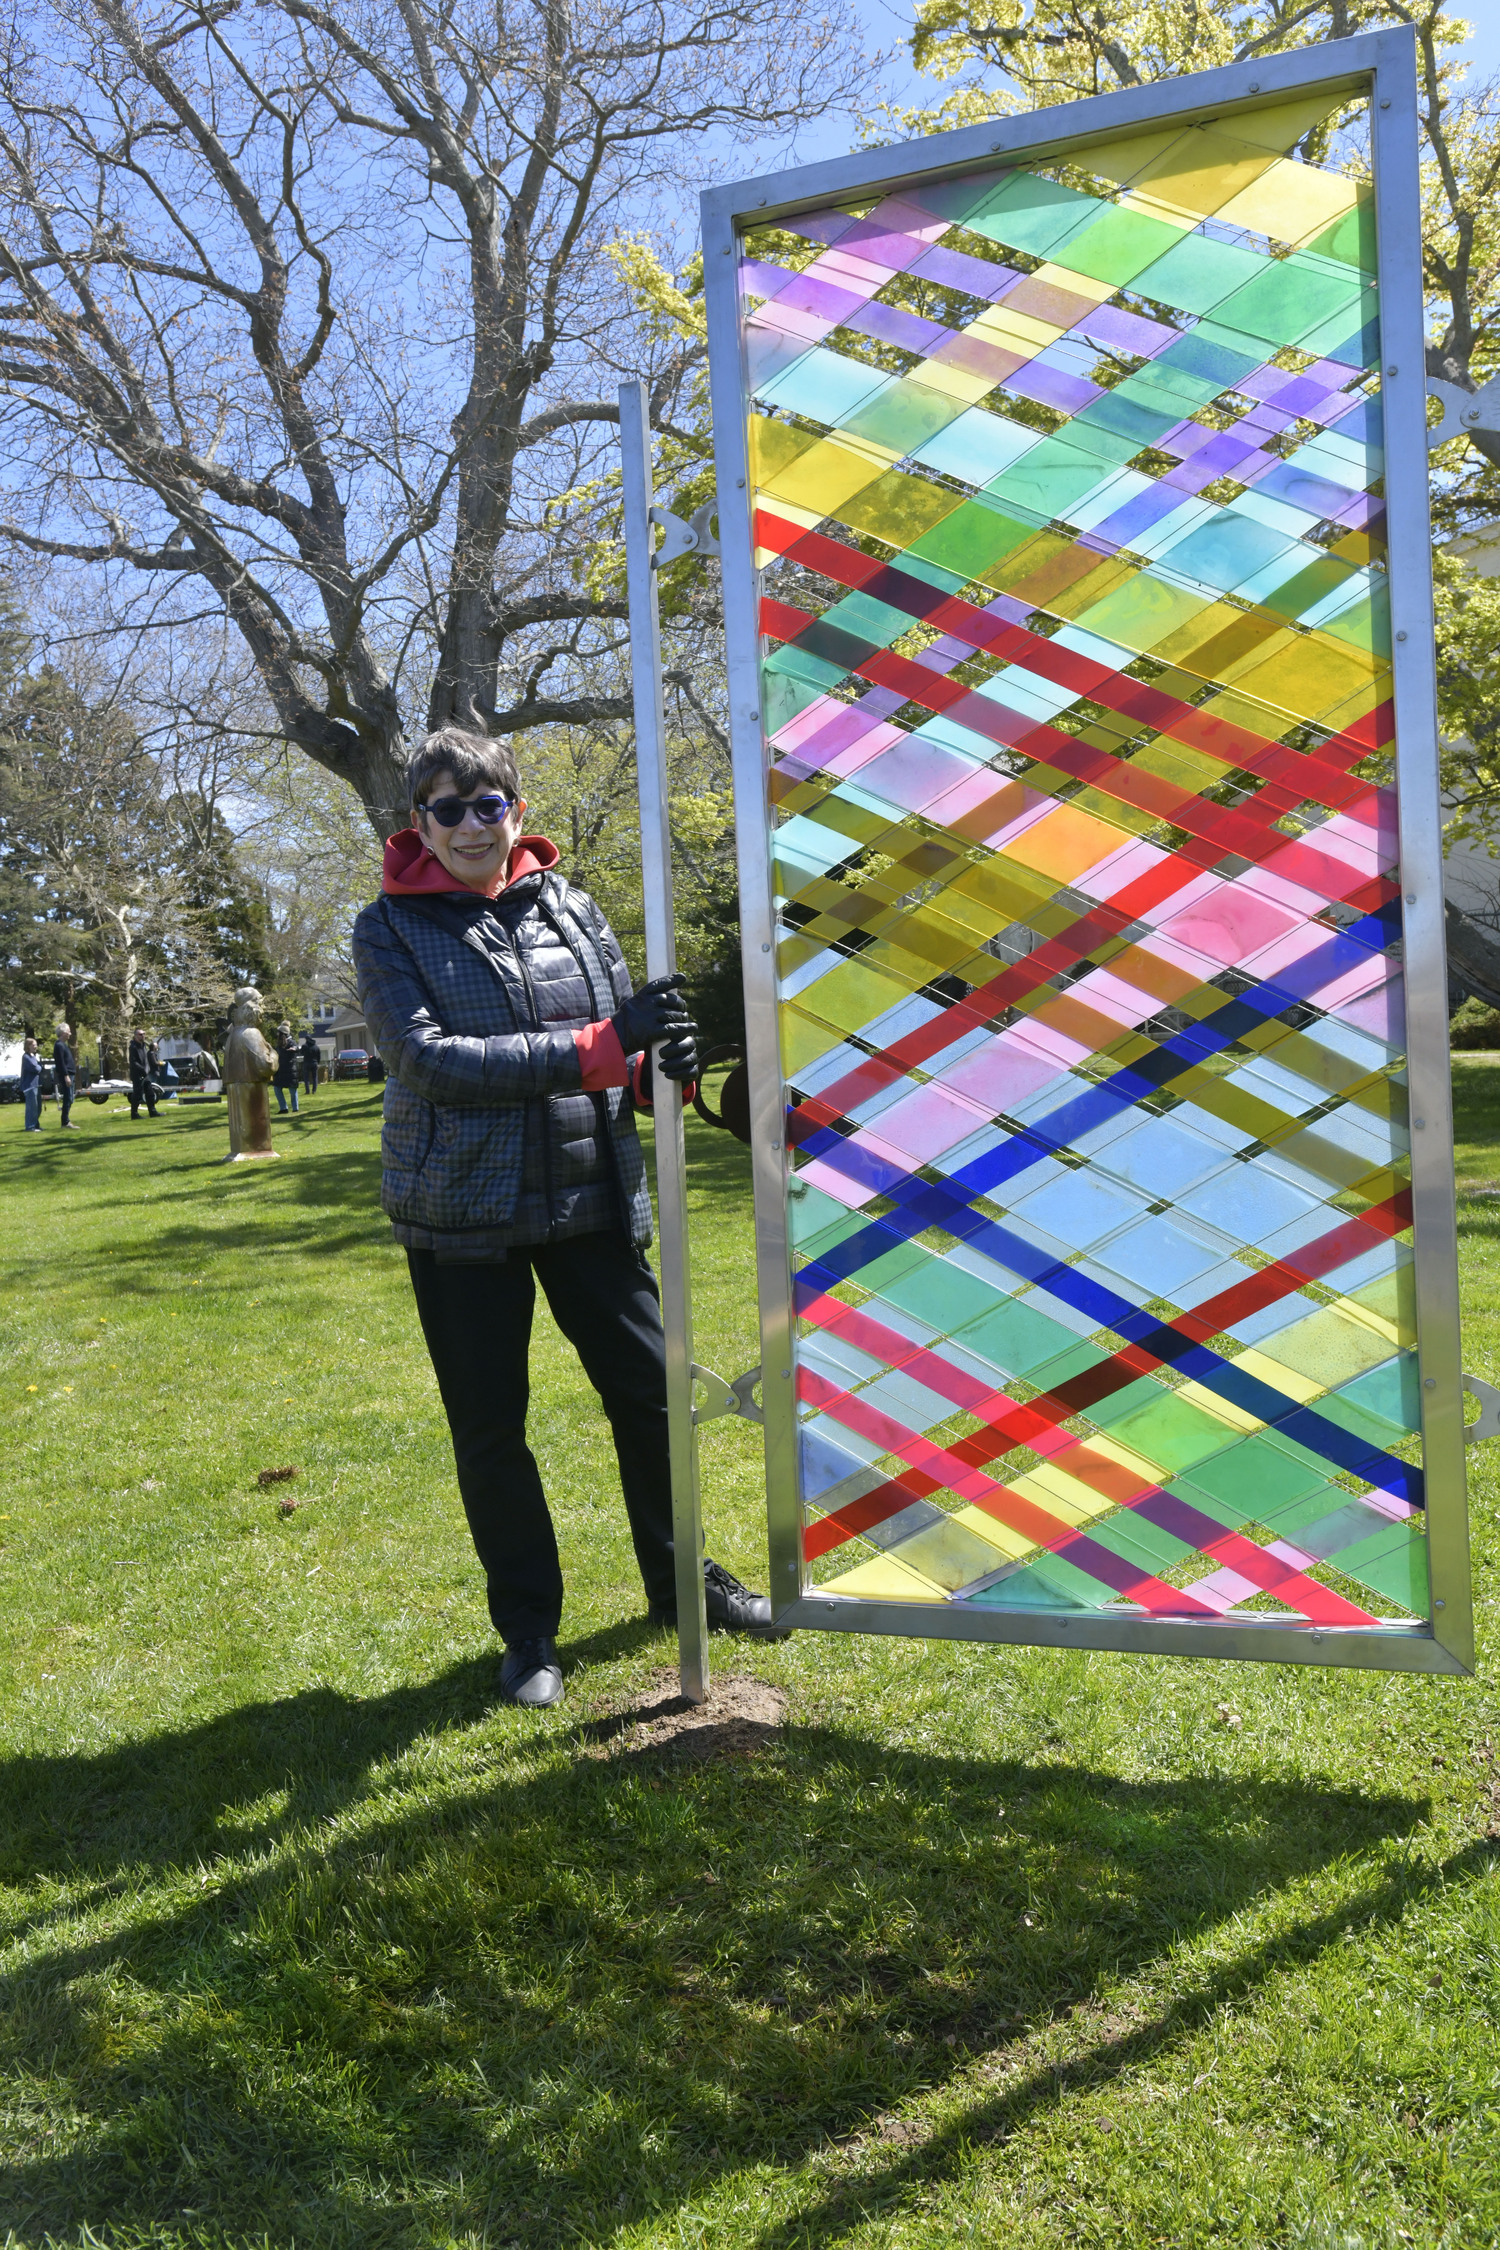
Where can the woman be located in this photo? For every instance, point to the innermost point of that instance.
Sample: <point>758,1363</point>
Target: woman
<point>285,1080</point>
<point>31,1085</point>
<point>517,1049</point>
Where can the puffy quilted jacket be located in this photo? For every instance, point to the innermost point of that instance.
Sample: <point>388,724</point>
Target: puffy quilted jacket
<point>489,1142</point>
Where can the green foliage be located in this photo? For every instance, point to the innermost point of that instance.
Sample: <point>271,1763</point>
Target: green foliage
<point>1468,671</point>
<point>120,903</point>
<point>1474,1028</point>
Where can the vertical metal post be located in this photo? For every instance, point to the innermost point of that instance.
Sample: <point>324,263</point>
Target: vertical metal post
<point>1396,128</point>
<point>661,960</point>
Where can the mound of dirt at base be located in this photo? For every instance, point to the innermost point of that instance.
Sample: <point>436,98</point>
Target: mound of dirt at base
<point>742,1715</point>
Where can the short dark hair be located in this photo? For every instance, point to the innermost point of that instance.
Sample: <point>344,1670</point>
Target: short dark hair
<point>474,760</point>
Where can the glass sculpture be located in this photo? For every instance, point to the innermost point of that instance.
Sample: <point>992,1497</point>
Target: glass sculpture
<point>1067,483</point>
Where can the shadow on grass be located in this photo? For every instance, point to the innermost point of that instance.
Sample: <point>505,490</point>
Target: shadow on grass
<point>358,1985</point>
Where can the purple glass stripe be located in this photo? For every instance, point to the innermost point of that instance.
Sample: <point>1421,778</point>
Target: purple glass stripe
<point>1126,332</point>
<point>1051,387</point>
<point>880,702</point>
<point>1225,454</point>
<point>1302,395</point>
<point>976,277</point>
<point>944,653</point>
<point>1190,1525</point>
<point>1187,439</point>
<point>888,234</point>
<point>1140,514</point>
<point>1330,372</point>
<point>1103,1563</point>
<point>827,300</point>
<point>1330,407</point>
<point>820,226</point>
<point>1007,606</point>
<point>1294,394</point>
<point>1270,421</point>
<point>893,326</point>
<point>760,280</point>
<point>1301,489</point>
<point>1363,511</point>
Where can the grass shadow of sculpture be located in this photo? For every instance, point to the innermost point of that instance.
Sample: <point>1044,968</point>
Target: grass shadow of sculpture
<point>393,1971</point>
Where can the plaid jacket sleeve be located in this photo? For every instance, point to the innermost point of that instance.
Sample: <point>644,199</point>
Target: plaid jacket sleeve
<point>454,1069</point>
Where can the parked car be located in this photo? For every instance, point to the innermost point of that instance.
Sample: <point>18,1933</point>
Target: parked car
<point>354,1062</point>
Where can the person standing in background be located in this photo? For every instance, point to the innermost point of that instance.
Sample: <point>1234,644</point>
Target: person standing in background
<point>142,1085</point>
<point>31,1085</point>
<point>285,1080</point>
<point>312,1055</point>
<point>65,1074</point>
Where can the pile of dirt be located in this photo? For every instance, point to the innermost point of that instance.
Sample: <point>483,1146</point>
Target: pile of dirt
<point>742,1716</point>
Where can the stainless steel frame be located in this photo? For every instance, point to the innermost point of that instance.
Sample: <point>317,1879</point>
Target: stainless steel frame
<point>1384,64</point>
<point>661,960</point>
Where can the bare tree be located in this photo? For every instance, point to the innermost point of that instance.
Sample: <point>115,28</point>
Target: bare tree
<point>307,322</point>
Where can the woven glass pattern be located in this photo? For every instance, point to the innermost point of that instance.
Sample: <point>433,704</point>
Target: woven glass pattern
<point>1076,678</point>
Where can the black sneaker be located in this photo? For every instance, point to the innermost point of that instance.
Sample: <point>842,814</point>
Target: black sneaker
<point>730,1605</point>
<point>530,1674</point>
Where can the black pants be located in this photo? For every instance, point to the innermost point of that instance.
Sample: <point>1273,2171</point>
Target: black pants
<point>309,1078</point>
<point>477,1322</point>
<point>142,1090</point>
<point>65,1098</point>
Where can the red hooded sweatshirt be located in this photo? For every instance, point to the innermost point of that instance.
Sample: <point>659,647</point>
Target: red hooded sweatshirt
<point>412,869</point>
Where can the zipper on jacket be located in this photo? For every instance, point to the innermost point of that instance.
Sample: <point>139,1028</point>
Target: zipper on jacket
<point>544,1103</point>
<point>601,1101</point>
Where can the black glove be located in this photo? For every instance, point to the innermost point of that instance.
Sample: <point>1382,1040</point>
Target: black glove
<point>657,1011</point>
<point>678,1059</point>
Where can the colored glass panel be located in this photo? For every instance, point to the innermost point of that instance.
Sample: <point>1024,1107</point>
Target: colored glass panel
<point>1090,977</point>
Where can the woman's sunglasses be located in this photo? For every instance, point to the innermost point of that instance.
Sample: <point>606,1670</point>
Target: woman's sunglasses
<point>448,812</point>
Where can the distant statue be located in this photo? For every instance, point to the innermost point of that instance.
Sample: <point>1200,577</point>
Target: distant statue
<point>249,1065</point>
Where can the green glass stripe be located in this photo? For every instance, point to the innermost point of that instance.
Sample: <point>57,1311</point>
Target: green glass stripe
<point>1197,355</point>
<point>1351,239</point>
<point>1364,624</point>
<point>1116,245</point>
<point>973,538</point>
<point>1050,478</point>
<point>1289,298</point>
<point>1166,1429</point>
<point>905,416</point>
<point>1319,579</point>
<point>1030,213</point>
<point>1142,612</point>
<point>1127,413</point>
<point>784,699</point>
<point>874,621</point>
<point>1113,447</point>
<point>1393,1563</point>
<point>798,663</point>
<point>1198,274</point>
<point>1256,1473</point>
<point>1134,1540</point>
<point>1048,1583</point>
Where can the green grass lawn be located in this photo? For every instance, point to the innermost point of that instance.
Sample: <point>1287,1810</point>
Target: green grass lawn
<point>306,1943</point>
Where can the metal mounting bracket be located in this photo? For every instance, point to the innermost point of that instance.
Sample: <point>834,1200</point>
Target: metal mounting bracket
<point>1488,1424</point>
<point>1463,411</point>
<point>737,1397</point>
<point>691,538</point>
